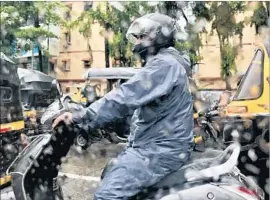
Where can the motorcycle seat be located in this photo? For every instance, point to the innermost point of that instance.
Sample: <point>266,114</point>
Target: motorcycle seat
<point>210,158</point>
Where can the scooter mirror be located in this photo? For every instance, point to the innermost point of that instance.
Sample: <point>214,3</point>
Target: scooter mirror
<point>56,86</point>
<point>90,93</point>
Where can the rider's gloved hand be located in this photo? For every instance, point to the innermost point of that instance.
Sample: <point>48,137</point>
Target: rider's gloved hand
<point>78,117</point>
<point>65,117</point>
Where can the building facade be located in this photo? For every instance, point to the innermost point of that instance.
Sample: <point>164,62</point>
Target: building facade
<point>74,56</point>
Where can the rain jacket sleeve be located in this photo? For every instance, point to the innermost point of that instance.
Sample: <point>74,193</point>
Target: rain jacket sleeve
<point>156,79</point>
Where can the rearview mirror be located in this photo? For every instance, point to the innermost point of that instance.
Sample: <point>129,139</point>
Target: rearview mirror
<point>56,86</point>
<point>89,92</point>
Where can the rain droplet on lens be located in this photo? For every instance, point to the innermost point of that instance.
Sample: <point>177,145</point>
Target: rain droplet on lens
<point>267,186</point>
<point>244,159</point>
<point>252,155</point>
<point>252,168</point>
<point>64,160</point>
<point>235,134</point>
<point>182,156</point>
<point>247,136</point>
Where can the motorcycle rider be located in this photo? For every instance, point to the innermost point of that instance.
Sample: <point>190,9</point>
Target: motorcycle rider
<point>161,136</point>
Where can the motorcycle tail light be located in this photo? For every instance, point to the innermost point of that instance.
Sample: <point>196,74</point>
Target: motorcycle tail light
<point>250,192</point>
<point>245,192</point>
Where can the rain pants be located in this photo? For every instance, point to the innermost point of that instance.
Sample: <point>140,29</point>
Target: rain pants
<point>161,126</point>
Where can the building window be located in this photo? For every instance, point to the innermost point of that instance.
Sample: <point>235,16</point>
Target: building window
<point>88,5</point>
<point>67,37</point>
<point>87,63</point>
<point>68,90</point>
<point>66,65</point>
<point>52,66</point>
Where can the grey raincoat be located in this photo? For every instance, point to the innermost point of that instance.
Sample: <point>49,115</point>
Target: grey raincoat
<point>161,127</point>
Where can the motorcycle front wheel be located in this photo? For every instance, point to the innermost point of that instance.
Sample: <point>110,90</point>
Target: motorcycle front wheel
<point>81,142</point>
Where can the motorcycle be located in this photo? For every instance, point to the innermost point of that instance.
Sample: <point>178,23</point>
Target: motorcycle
<point>206,127</point>
<point>35,170</point>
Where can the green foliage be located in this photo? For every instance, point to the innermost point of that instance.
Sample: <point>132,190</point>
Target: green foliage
<point>224,22</point>
<point>193,44</point>
<point>15,15</point>
<point>32,33</point>
<point>190,48</point>
<point>117,21</point>
<point>260,17</point>
<point>226,27</point>
<point>200,10</point>
<point>228,55</point>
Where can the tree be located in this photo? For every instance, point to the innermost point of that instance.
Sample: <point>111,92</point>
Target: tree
<point>260,15</point>
<point>28,21</point>
<point>117,17</point>
<point>224,24</point>
<point>10,21</point>
<point>115,23</point>
<point>193,43</point>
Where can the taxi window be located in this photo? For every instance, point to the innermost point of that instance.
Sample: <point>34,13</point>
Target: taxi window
<point>252,84</point>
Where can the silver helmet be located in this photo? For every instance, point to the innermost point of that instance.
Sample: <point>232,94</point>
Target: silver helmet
<point>154,30</point>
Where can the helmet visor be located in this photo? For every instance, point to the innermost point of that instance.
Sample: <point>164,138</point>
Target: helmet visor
<point>141,27</point>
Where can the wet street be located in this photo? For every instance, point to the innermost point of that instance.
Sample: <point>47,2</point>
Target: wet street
<point>81,170</point>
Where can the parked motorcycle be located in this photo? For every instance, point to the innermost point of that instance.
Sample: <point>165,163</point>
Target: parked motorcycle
<point>34,172</point>
<point>207,127</point>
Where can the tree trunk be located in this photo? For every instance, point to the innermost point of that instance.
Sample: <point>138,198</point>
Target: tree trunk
<point>268,9</point>
<point>227,81</point>
<point>107,53</point>
<point>227,75</point>
<point>37,25</point>
<point>90,49</point>
<point>40,59</point>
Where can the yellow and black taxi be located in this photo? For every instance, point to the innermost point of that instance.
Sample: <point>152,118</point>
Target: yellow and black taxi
<point>248,112</point>
<point>11,115</point>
